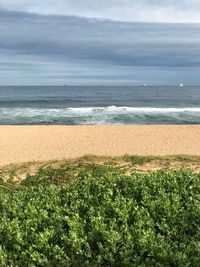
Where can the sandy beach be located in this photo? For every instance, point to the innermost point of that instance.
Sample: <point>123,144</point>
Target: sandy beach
<point>38,143</point>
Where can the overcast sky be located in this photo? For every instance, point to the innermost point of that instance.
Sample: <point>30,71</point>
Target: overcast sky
<point>99,41</point>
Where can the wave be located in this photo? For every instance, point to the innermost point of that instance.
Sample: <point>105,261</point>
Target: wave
<point>134,109</point>
<point>100,115</point>
<point>37,102</point>
<point>109,109</point>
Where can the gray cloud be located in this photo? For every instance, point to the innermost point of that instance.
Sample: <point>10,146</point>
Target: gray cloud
<point>125,10</point>
<point>52,49</point>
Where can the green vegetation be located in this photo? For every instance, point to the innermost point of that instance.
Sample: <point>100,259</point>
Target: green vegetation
<point>97,215</point>
<point>127,163</point>
<point>138,160</point>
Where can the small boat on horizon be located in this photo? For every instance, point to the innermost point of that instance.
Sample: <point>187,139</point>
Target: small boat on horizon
<point>180,85</point>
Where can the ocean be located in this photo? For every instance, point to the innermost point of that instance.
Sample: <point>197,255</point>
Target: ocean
<point>86,105</point>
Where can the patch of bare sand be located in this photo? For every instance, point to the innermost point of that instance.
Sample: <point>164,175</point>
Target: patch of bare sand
<point>43,143</point>
<point>19,172</point>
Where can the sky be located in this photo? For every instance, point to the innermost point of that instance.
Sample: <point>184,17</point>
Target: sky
<point>110,42</point>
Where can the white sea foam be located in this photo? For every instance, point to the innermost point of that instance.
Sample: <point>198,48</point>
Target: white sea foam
<point>100,115</point>
<point>93,110</point>
<point>133,109</point>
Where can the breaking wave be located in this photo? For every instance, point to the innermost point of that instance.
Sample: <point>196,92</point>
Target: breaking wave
<point>100,115</point>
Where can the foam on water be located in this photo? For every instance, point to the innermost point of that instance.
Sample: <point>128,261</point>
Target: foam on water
<point>73,105</point>
<point>100,115</point>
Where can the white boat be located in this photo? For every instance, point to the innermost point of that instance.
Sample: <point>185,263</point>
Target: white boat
<point>180,85</point>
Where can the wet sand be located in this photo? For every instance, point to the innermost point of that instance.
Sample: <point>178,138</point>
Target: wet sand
<point>38,143</point>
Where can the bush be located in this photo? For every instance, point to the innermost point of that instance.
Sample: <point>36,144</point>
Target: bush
<point>113,220</point>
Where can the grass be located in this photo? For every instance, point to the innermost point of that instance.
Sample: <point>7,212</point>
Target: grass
<point>127,163</point>
<point>138,160</point>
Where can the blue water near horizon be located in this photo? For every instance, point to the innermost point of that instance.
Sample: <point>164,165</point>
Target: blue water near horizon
<point>85,105</point>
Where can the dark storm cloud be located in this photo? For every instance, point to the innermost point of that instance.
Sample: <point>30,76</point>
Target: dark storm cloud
<point>38,42</point>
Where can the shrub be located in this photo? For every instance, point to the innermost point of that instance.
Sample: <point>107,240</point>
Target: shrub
<point>112,220</point>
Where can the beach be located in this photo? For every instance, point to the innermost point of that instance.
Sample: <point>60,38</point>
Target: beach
<point>20,144</point>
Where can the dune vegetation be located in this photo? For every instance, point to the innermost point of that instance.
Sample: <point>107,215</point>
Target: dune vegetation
<point>100,215</point>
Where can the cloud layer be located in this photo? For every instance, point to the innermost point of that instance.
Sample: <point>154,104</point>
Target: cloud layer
<point>56,49</point>
<point>125,10</point>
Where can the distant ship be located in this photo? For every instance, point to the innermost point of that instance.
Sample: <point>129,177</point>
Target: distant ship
<point>180,85</point>
<point>144,85</point>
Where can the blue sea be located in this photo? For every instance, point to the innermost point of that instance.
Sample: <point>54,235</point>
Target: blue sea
<point>85,105</point>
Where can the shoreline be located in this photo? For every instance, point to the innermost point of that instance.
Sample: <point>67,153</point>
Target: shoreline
<point>22,143</point>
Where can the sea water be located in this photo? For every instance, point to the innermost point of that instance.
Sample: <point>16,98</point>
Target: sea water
<point>84,105</point>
